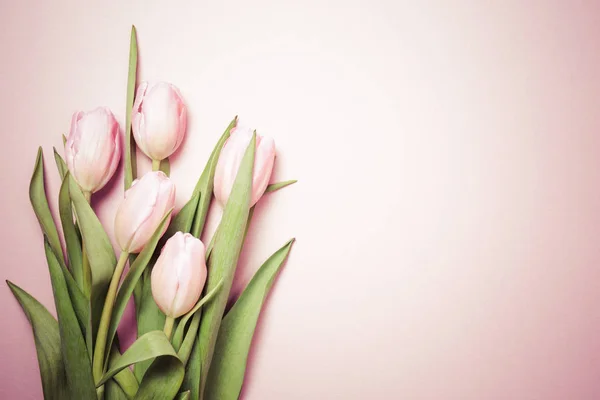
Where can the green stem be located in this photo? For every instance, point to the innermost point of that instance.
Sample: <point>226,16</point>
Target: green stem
<point>87,271</point>
<point>168,329</point>
<point>100,348</point>
<point>155,165</point>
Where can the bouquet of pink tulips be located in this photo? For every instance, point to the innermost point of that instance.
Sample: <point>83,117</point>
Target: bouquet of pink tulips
<point>188,346</point>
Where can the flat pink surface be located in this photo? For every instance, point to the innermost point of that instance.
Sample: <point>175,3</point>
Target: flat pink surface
<point>448,205</point>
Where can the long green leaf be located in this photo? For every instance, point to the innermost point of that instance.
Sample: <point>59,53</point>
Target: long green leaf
<point>99,251</point>
<point>226,375</point>
<point>151,345</point>
<point>131,279</point>
<point>78,366</point>
<point>205,184</point>
<point>150,318</point>
<point>184,396</point>
<point>124,378</point>
<point>70,232</point>
<point>47,344</point>
<point>178,335</point>
<point>224,257</point>
<point>37,195</point>
<point>130,161</point>
<point>60,164</point>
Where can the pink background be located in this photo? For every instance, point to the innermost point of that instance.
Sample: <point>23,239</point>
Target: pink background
<point>448,205</point>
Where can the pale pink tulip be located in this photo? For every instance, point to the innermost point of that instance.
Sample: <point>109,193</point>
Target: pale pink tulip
<point>159,119</point>
<point>93,148</point>
<point>179,275</point>
<point>231,158</point>
<point>145,204</point>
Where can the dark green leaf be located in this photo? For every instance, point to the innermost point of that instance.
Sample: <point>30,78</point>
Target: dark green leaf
<point>226,375</point>
<point>47,344</point>
<point>78,367</point>
<point>130,162</point>
<point>99,251</point>
<point>279,185</point>
<point>131,279</point>
<point>223,260</point>
<point>151,345</point>
<point>37,195</point>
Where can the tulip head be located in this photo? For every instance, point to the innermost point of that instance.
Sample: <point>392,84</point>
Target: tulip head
<point>93,148</point>
<point>179,275</point>
<point>159,119</point>
<point>145,204</point>
<point>231,158</point>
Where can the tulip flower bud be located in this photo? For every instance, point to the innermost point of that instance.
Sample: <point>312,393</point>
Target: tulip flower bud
<point>159,119</point>
<point>179,275</point>
<point>231,158</point>
<point>93,148</point>
<point>145,204</point>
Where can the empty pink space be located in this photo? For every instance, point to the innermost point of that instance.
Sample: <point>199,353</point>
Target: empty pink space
<point>447,213</point>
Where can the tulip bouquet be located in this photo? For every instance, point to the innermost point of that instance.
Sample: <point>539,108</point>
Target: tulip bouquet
<point>188,345</point>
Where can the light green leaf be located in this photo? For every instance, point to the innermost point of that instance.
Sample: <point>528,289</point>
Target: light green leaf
<point>70,232</point>
<point>78,367</point>
<point>182,222</point>
<point>47,344</point>
<point>279,185</point>
<point>226,375</point>
<point>130,161</point>
<point>178,335</point>
<point>37,195</point>
<point>224,257</point>
<point>205,184</point>
<point>99,251</point>
<point>60,164</point>
<point>191,380</point>
<point>125,379</point>
<point>151,345</point>
<point>131,279</point>
<point>162,380</point>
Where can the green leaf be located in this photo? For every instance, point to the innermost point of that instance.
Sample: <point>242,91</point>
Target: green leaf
<point>224,257</point>
<point>125,379</point>
<point>151,345</point>
<point>60,164</point>
<point>37,195</point>
<point>78,367</point>
<point>205,184</point>
<point>182,222</point>
<point>178,335</point>
<point>150,318</point>
<point>47,344</point>
<point>99,251</point>
<point>70,232</point>
<point>162,380</point>
<point>279,185</point>
<point>191,380</point>
<point>226,375</point>
<point>131,279</point>
<point>130,162</point>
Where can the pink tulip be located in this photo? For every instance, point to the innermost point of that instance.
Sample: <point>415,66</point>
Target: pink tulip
<point>159,119</point>
<point>93,148</point>
<point>231,158</point>
<point>145,204</point>
<point>179,275</point>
